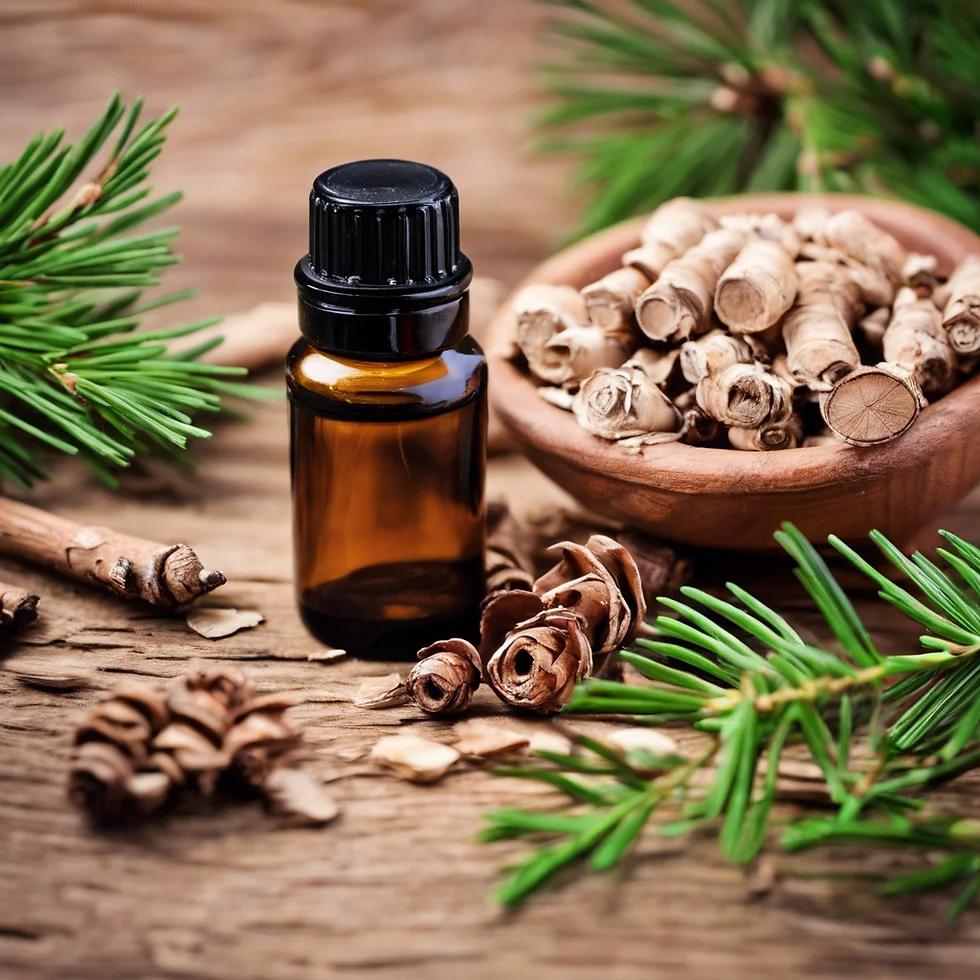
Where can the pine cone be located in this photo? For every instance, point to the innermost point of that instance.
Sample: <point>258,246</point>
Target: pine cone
<point>112,756</point>
<point>444,679</point>
<point>140,746</point>
<point>539,663</point>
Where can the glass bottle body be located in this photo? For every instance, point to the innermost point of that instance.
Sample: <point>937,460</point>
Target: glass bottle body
<point>388,462</point>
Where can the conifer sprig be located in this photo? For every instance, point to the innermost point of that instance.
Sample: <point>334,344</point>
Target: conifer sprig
<point>881,729</point>
<point>659,99</point>
<point>75,375</point>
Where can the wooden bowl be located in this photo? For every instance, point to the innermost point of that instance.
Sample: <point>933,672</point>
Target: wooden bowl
<point>724,498</point>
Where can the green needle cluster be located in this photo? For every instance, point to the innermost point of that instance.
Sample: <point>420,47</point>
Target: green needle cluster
<point>658,99</point>
<point>881,729</point>
<point>76,376</point>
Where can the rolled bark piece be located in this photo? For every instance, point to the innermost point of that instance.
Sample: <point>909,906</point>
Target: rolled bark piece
<point>160,574</point>
<point>919,272</point>
<point>875,287</point>
<point>769,227</point>
<point>18,607</point>
<point>757,288</point>
<point>541,311</point>
<point>677,306</point>
<point>961,314</point>
<point>575,353</point>
<point>856,236</point>
<point>785,434</point>
<point>817,328</point>
<point>916,341</point>
<point>618,403</point>
<point>611,299</point>
<point>872,405</point>
<point>811,222</point>
<point>444,679</point>
<point>660,366</point>
<point>712,353</point>
<point>670,231</point>
<point>745,396</point>
<point>538,665</point>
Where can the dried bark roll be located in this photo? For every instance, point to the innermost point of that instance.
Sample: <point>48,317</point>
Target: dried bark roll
<point>618,403</point>
<point>961,315</point>
<point>784,434</point>
<point>163,575</point>
<point>817,329</point>
<point>872,405</point>
<point>745,396</point>
<point>670,231</point>
<point>575,353</point>
<point>678,304</point>
<point>757,288</point>
<point>916,341</point>
<point>611,299</point>
<point>712,353</point>
<point>852,233</point>
<point>543,311</point>
<point>444,679</point>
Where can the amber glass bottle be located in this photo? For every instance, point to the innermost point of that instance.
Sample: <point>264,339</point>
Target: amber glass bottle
<point>387,415</point>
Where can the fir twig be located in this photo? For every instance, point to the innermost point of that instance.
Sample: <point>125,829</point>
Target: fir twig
<point>882,729</point>
<point>660,99</point>
<point>75,375</point>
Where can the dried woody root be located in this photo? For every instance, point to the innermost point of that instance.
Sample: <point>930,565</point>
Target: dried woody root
<point>18,608</point>
<point>163,575</point>
<point>753,327</point>
<point>144,747</point>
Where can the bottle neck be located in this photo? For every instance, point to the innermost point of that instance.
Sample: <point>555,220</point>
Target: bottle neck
<point>380,323</point>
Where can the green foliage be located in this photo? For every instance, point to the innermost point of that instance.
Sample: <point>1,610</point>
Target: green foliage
<point>881,729</point>
<point>659,98</point>
<point>74,374</point>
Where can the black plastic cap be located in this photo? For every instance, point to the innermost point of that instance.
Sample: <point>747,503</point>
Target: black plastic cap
<point>385,223</point>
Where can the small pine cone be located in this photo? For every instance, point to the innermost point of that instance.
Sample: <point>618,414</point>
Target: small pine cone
<point>259,739</point>
<point>444,679</point>
<point>112,773</point>
<point>202,707</point>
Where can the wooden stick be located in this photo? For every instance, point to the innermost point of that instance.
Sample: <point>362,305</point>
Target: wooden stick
<point>160,574</point>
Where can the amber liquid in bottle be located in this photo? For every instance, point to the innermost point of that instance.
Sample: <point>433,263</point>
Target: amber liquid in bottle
<point>388,474</point>
<point>388,415</point>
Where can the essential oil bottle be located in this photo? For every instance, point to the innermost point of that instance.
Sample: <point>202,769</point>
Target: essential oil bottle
<point>388,415</point>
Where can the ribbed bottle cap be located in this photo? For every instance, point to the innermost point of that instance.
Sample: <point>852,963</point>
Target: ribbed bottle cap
<point>385,223</point>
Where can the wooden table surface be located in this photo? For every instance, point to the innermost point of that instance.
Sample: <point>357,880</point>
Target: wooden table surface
<point>397,886</point>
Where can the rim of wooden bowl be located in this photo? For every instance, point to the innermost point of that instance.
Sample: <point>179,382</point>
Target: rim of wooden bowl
<point>535,423</point>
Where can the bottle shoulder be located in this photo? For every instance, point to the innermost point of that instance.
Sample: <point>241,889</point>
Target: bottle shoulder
<point>332,384</point>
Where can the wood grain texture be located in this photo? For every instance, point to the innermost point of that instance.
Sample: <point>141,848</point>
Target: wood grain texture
<point>706,496</point>
<point>397,887</point>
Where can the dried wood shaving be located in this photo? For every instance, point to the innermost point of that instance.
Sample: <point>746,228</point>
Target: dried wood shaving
<point>411,757</point>
<point>549,741</point>
<point>643,740</point>
<point>325,656</point>
<point>381,692</point>
<point>296,795</point>
<point>51,680</point>
<point>215,622</point>
<point>481,738</point>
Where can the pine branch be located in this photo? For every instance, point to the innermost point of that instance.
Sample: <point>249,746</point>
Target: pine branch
<point>736,669</point>
<point>75,375</point>
<point>659,99</point>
